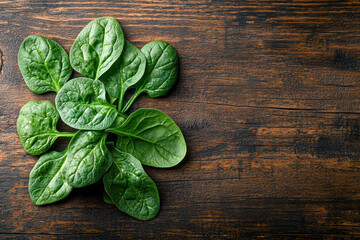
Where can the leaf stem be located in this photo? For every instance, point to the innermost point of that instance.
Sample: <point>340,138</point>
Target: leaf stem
<point>131,100</point>
<point>121,100</point>
<point>66,134</point>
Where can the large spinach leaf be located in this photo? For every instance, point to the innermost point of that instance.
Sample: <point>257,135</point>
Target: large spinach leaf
<point>161,71</point>
<point>88,158</point>
<point>152,137</point>
<point>97,47</point>
<point>44,64</point>
<point>46,184</point>
<point>130,188</point>
<point>82,104</point>
<point>125,72</point>
<point>36,126</point>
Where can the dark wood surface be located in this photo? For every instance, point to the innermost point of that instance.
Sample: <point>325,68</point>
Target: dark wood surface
<point>268,99</point>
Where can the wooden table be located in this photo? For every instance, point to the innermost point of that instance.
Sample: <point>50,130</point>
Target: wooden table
<point>268,100</point>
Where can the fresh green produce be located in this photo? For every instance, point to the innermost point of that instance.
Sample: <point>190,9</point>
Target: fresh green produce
<point>88,158</point>
<point>82,104</point>
<point>97,47</point>
<point>47,184</point>
<point>130,188</point>
<point>161,71</point>
<point>44,64</point>
<point>94,104</point>
<point>125,72</point>
<point>36,126</point>
<point>152,137</point>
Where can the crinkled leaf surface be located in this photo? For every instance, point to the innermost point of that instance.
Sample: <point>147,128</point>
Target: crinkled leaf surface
<point>161,69</point>
<point>46,184</point>
<point>88,158</point>
<point>130,188</point>
<point>152,137</point>
<point>36,126</point>
<point>97,47</point>
<point>125,72</point>
<point>82,104</point>
<point>44,64</point>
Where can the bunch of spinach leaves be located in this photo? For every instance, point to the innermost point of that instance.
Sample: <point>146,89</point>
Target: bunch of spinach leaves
<point>94,104</point>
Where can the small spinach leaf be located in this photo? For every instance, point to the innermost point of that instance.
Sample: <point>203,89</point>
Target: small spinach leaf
<point>46,184</point>
<point>152,137</point>
<point>44,64</point>
<point>125,72</point>
<point>130,188</point>
<point>161,71</point>
<point>97,47</point>
<point>88,158</point>
<point>82,104</point>
<point>36,126</point>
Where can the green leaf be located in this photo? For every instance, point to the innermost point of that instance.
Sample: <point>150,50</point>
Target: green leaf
<point>152,137</point>
<point>97,47</point>
<point>82,104</point>
<point>125,72</point>
<point>36,126</point>
<point>46,184</point>
<point>88,158</point>
<point>44,64</point>
<point>161,71</point>
<point>130,188</point>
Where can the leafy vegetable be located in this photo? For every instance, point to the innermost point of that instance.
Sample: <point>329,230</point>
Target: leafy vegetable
<point>161,71</point>
<point>82,104</point>
<point>46,184</point>
<point>44,64</point>
<point>152,137</point>
<point>125,72</point>
<point>97,47</point>
<point>36,126</point>
<point>111,65</point>
<point>88,158</point>
<point>130,188</point>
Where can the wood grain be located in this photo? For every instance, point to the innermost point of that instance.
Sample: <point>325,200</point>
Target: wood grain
<point>268,100</point>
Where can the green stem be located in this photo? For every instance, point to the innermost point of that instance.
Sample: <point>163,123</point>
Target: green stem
<point>131,100</point>
<point>123,115</point>
<point>66,134</point>
<point>121,100</point>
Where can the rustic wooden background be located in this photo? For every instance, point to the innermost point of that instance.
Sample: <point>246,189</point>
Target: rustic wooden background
<point>268,99</point>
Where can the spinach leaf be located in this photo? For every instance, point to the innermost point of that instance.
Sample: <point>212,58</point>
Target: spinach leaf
<point>161,71</point>
<point>130,188</point>
<point>44,64</point>
<point>97,47</point>
<point>82,104</point>
<point>125,72</point>
<point>36,126</point>
<point>88,158</point>
<point>46,184</point>
<point>152,137</point>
